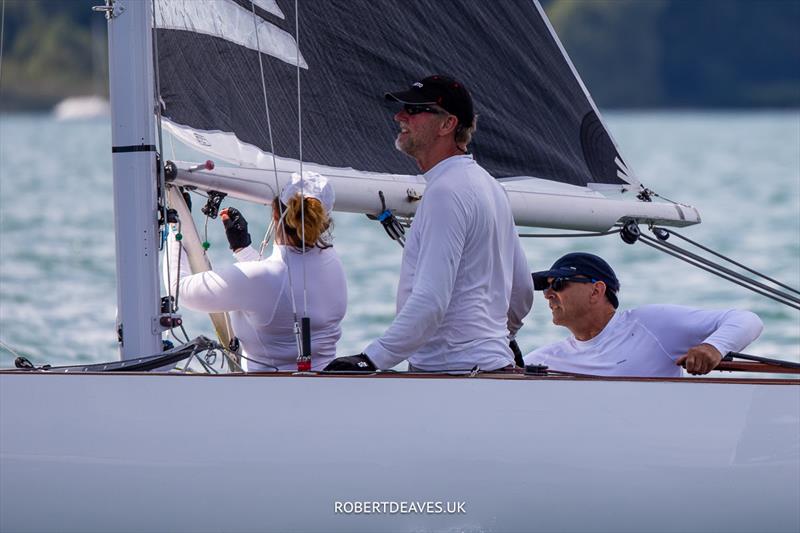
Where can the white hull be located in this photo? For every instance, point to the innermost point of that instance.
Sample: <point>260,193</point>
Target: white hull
<point>145,452</point>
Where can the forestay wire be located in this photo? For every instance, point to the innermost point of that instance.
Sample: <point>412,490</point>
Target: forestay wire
<point>710,266</point>
<point>304,351</point>
<point>162,189</point>
<point>300,150</point>
<point>630,234</point>
<point>282,218</point>
<point>269,132</point>
<point>566,235</point>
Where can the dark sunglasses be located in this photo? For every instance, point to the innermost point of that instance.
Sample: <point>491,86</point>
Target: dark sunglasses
<point>558,284</point>
<point>416,109</point>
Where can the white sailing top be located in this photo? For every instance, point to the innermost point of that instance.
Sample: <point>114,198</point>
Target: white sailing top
<point>257,293</point>
<point>464,281</point>
<point>647,341</point>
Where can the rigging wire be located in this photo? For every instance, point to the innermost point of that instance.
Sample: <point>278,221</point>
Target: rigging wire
<point>2,35</point>
<point>653,193</point>
<point>699,262</point>
<point>727,271</point>
<point>269,126</point>
<point>653,243</point>
<point>304,349</point>
<point>169,273</point>
<point>275,169</point>
<point>752,271</point>
<point>10,349</point>
<point>172,145</point>
<point>2,38</point>
<point>262,363</point>
<point>565,235</point>
<point>162,182</point>
<point>300,152</point>
<point>162,187</point>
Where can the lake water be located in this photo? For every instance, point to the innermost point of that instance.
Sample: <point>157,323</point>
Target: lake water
<point>57,270</point>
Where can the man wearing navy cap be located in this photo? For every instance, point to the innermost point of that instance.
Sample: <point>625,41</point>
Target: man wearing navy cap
<point>652,340</point>
<point>464,284</point>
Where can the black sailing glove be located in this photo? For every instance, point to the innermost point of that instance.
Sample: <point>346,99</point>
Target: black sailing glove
<point>352,363</point>
<point>518,360</point>
<point>235,228</point>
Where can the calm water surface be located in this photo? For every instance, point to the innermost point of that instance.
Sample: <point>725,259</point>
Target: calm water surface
<point>57,271</point>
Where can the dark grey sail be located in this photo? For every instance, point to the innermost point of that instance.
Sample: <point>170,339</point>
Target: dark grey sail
<point>535,118</point>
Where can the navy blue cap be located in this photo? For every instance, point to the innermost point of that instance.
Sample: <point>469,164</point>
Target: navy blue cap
<point>444,91</point>
<point>580,264</point>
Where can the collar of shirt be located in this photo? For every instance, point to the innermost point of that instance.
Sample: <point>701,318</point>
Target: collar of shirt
<point>442,166</point>
<point>600,336</point>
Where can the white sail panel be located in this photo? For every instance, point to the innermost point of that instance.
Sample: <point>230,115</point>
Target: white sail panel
<point>230,21</point>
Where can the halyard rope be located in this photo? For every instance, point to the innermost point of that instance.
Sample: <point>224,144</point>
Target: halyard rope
<point>275,170</point>
<point>300,149</point>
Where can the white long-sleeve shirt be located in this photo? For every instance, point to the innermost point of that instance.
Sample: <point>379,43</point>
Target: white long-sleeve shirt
<point>647,341</point>
<point>464,280</point>
<point>257,293</point>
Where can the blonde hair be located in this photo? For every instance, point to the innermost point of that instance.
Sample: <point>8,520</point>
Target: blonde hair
<point>305,212</point>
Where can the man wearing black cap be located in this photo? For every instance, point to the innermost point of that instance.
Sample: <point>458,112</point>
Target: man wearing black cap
<point>464,284</point>
<point>652,340</point>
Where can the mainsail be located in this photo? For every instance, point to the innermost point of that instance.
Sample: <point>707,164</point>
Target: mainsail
<point>535,116</point>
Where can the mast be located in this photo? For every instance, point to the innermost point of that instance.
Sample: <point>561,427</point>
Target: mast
<point>133,139</point>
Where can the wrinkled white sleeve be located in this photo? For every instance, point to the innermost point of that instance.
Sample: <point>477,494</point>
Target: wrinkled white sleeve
<point>521,290</point>
<point>437,265</point>
<point>540,355</point>
<point>233,288</point>
<point>248,253</point>
<point>679,328</point>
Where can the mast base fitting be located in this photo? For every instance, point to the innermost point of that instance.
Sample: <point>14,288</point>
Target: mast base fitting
<point>630,232</point>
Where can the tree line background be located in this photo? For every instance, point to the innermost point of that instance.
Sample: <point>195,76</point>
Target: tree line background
<point>630,53</point>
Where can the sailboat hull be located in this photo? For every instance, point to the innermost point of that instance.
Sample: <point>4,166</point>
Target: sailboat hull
<point>145,452</point>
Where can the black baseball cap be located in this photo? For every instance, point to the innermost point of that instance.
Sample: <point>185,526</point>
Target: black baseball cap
<point>580,264</point>
<point>444,91</point>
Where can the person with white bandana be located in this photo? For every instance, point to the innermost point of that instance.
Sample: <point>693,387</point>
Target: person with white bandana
<point>648,341</point>
<point>464,281</point>
<point>260,293</point>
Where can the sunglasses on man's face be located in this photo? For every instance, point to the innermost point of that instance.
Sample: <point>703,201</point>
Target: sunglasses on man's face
<point>416,109</point>
<point>559,284</point>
